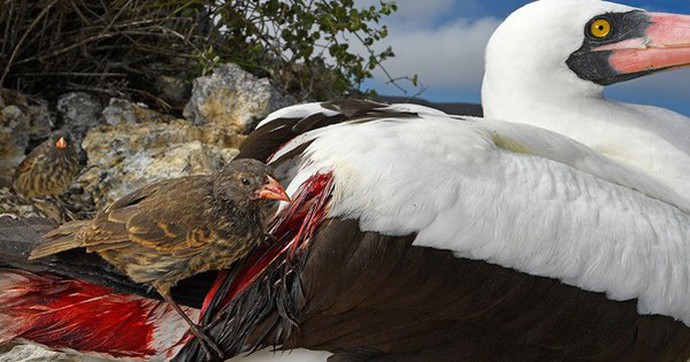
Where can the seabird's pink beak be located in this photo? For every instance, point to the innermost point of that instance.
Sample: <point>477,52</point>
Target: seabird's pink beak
<point>665,44</point>
<point>272,190</point>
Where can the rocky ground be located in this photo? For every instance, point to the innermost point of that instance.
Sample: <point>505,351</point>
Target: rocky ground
<point>127,145</point>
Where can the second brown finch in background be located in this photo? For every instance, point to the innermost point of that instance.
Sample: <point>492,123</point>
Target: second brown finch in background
<point>49,168</point>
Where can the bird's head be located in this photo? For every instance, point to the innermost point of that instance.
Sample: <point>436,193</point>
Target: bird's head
<point>247,183</point>
<point>61,141</point>
<point>578,46</point>
<point>61,144</point>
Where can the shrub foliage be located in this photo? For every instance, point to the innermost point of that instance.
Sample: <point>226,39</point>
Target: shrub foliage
<point>124,47</point>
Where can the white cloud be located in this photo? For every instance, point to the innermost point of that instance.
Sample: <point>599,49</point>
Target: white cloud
<point>443,53</point>
<point>452,54</point>
<point>449,56</point>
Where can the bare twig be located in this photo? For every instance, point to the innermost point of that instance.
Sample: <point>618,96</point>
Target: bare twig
<point>139,40</point>
<point>391,80</point>
<point>21,41</point>
<point>68,74</point>
<point>419,85</point>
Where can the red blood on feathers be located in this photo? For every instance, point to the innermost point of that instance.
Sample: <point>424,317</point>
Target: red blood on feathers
<point>67,313</point>
<point>292,229</point>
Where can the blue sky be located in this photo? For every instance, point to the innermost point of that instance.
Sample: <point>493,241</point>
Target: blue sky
<point>443,42</point>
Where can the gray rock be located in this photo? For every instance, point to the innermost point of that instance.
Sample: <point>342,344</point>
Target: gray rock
<point>20,123</point>
<point>125,157</point>
<point>11,203</point>
<point>121,111</point>
<point>14,139</point>
<point>14,114</point>
<point>41,121</point>
<point>231,97</point>
<point>32,353</point>
<point>181,159</point>
<point>80,112</point>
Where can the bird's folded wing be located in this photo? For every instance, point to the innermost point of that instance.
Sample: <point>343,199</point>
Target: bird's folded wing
<point>483,217</point>
<point>160,216</point>
<point>534,141</point>
<point>455,186</point>
<point>287,123</point>
<point>462,184</point>
<point>24,167</point>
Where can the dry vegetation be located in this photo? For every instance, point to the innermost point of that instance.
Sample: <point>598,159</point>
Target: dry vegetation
<point>126,48</point>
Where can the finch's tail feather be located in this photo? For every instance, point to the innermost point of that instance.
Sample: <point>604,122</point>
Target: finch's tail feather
<point>59,240</point>
<point>76,300</point>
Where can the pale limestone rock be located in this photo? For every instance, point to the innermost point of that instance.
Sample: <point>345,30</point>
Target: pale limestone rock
<point>33,353</point>
<point>231,97</point>
<point>22,124</point>
<point>125,157</point>
<point>41,120</point>
<point>121,111</point>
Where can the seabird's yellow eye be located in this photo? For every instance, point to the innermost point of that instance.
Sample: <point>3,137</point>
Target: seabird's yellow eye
<point>600,28</point>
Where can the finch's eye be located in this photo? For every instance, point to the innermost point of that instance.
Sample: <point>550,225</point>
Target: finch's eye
<point>245,181</point>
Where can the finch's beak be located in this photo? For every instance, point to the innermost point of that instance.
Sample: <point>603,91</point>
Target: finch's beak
<point>61,143</point>
<point>272,190</point>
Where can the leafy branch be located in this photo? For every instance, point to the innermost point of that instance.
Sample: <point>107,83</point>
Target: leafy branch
<point>305,46</point>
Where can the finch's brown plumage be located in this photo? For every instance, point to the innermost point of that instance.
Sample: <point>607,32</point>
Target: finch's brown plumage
<point>49,168</point>
<point>171,230</point>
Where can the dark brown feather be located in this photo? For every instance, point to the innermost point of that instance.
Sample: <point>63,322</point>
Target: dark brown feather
<point>264,141</point>
<point>261,143</point>
<point>355,290</point>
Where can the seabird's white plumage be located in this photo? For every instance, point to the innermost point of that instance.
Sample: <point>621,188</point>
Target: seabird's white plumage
<point>609,214</point>
<point>528,81</point>
<point>512,195</point>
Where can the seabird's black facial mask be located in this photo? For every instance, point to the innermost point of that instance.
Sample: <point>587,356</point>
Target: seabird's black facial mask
<point>593,65</point>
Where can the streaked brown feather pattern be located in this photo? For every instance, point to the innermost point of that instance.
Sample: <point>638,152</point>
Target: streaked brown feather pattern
<point>170,230</point>
<point>48,170</point>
